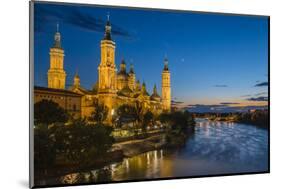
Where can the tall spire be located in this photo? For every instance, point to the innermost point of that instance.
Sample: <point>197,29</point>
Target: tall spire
<point>138,85</point>
<point>107,34</point>
<point>143,89</point>
<point>57,38</point>
<point>155,95</point>
<point>76,73</point>
<point>154,89</point>
<point>166,64</point>
<point>76,80</point>
<point>131,69</point>
<point>108,15</point>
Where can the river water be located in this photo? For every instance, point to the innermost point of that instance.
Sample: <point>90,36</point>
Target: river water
<point>215,148</point>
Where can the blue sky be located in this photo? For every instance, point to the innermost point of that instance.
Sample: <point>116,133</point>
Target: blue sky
<point>213,58</point>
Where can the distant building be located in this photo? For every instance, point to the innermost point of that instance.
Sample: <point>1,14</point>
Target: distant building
<point>114,87</point>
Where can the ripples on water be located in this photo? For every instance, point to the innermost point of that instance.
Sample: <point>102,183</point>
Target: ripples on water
<point>215,148</point>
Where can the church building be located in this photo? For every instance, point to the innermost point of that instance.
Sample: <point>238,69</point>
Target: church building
<point>114,86</point>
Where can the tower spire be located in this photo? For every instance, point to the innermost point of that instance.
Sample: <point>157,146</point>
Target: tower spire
<point>154,89</point>
<point>107,34</point>
<point>57,38</point>
<point>108,15</point>
<point>132,69</point>
<point>76,80</point>
<point>166,63</point>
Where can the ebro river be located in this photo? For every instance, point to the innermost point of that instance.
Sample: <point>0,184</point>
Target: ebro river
<point>215,148</point>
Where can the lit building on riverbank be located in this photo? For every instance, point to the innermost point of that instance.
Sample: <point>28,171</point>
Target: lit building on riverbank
<point>114,87</point>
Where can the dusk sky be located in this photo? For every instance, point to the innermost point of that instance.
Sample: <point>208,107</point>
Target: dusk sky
<point>216,60</point>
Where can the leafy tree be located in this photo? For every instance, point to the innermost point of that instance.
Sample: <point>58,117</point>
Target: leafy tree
<point>136,114</point>
<point>47,112</point>
<point>44,148</point>
<point>139,111</point>
<point>179,125</point>
<point>147,119</point>
<point>126,114</point>
<point>258,118</point>
<point>81,142</point>
<point>100,112</point>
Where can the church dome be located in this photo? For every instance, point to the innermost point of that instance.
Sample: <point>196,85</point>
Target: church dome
<point>122,76</point>
<point>122,70</point>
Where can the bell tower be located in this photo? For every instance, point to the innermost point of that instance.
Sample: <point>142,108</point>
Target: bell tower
<point>107,68</point>
<point>107,76</point>
<point>56,73</point>
<point>166,87</point>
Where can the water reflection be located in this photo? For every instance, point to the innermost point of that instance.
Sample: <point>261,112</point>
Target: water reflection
<point>215,148</point>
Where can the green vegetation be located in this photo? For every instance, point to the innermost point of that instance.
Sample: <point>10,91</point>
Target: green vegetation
<point>259,118</point>
<point>179,126</point>
<point>100,112</point>
<point>78,143</point>
<point>47,112</point>
<point>136,115</point>
<point>63,144</point>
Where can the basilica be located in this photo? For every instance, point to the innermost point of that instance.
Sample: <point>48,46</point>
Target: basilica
<point>114,87</point>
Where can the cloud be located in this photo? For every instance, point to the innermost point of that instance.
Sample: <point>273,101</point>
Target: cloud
<point>255,95</point>
<point>220,86</point>
<point>261,98</point>
<point>176,102</point>
<point>53,14</point>
<point>261,93</point>
<point>262,84</point>
<point>229,103</point>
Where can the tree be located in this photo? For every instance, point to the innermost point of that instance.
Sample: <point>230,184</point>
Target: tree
<point>179,125</point>
<point>126,114</point>
<point>100,112</point>
<point>79,142</point>
<point>147,119</point>
<point>47,112</point>
<point>84,142</point>
<point>44,148</point>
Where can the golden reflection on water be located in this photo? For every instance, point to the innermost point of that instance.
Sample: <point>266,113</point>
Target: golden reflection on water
<point>216,148</point>
<point>148,165</point>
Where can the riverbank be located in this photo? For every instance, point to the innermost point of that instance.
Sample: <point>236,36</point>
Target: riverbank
<point>135,147</point>
<point>117,153</point>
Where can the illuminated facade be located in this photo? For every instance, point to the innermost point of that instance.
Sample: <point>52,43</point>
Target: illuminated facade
<point>56,73</point>
<point>114,87</point>
<point>66,99</point>
<point>166,87</point>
